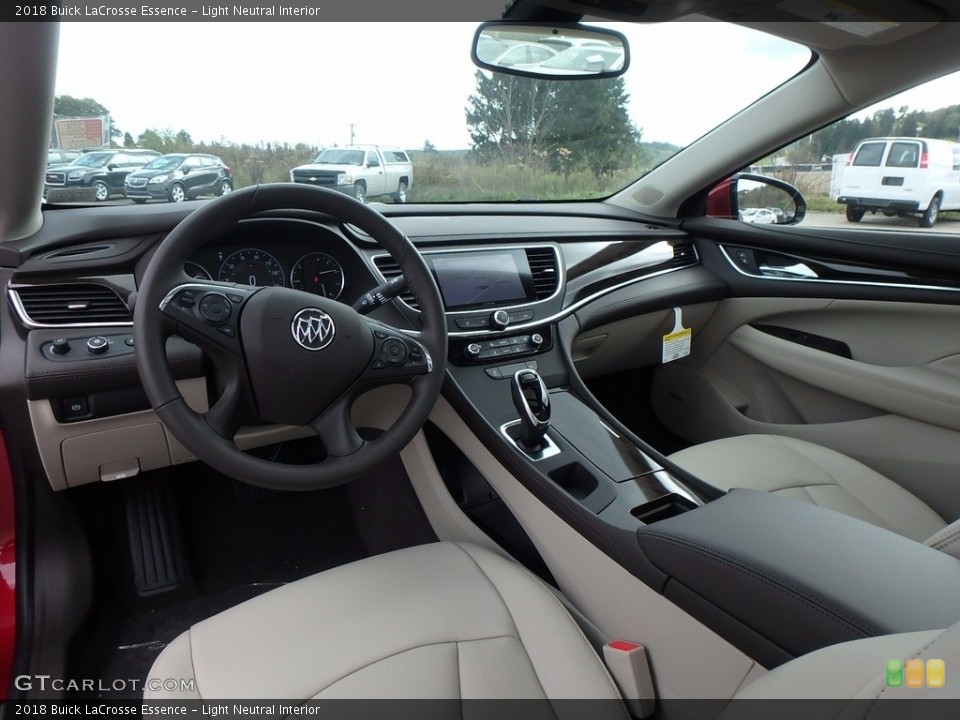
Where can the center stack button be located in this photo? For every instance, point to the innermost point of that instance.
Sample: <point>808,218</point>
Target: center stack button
<point>499,320</point>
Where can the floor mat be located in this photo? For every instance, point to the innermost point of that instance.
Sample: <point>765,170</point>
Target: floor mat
<point>239,544</point>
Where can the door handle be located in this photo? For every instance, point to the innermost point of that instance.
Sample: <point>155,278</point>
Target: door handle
<point>796,271</point>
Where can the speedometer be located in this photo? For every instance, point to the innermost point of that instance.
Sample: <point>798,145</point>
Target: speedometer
<point>251,267</point>
<point>318,273</point>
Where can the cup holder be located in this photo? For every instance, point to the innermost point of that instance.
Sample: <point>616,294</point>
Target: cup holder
<point>664,507</point>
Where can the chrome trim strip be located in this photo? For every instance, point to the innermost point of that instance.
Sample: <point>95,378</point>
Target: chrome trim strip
<point>549,450</point>
<point>861,283</point>
<point>211,286</point>
<point>570,309</point>
<point>14,297</point>
<point>561,272</point>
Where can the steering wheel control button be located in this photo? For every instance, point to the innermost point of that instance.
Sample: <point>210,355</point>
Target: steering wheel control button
<point>499,319</point>
<point>187,299</point>
<point>394,351</point>
<point>98,345</point>
<point>227,330</point>
<point>313,329</point>
<point>235,298</point>
<point>215,308</point>
<point>61,346</point>
<point>380,334</point>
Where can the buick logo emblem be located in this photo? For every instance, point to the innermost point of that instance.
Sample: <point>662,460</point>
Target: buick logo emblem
<point>313,329</point>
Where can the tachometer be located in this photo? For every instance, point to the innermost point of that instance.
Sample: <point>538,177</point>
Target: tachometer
<point>251,267</point>
<point>318,273</point>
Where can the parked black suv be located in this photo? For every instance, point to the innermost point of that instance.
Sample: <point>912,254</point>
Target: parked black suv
<point>178,177</point>
<point>103,170</point>
<point>62,157</point>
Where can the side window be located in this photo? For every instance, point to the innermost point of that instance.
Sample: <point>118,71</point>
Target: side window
<point>869,155</point>
<point>891,167</point>
<point>397,156</point>
<point>192,162</point>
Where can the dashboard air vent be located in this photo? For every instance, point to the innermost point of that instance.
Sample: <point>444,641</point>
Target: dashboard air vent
<point>389,269</point>
<point>77,251</point>
<point>684,254</point>
<point>543,268</point>
<point>72,304</point>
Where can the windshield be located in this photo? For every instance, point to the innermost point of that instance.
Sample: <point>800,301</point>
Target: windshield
<point>469,135</point>
<point>168,162</point>
<point>340,157</point>
<point>92,160</point>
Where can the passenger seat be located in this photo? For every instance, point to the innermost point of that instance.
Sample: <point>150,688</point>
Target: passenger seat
<point>815,474</point>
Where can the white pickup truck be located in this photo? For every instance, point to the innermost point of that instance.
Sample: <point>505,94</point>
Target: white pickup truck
<point>361,171</point>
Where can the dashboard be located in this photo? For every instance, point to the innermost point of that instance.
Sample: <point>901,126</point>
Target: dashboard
<point>510,285</point>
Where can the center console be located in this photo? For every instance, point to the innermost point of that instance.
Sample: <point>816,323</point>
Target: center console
<point>504,308</point>
<point>774,577</point>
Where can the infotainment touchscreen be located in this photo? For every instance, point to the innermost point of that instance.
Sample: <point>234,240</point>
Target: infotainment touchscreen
<point>482,278</point>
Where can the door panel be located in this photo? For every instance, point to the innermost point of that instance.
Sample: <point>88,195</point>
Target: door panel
<point>895,405</point>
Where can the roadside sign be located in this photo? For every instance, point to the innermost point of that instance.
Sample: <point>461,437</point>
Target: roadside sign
<point>80,133</point>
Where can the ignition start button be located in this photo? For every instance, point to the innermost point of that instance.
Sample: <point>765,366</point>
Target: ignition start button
<point>215,308</point>
<point>394,351</point>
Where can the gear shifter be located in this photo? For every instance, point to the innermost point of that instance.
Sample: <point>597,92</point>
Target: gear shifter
<point>533,405</point>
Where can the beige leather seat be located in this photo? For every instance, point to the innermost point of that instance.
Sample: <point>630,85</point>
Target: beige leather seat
<point>436,621</point>
<point>815,474</point>
<point>455,621</point>
<point>856,671</point>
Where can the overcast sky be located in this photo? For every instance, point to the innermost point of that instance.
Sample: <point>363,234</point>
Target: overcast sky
<point>400,83</point>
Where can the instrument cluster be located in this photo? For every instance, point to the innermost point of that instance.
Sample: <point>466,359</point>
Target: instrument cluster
<point>284,253</point>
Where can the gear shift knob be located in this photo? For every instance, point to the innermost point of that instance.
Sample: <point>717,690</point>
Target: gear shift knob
<point>533,405</point>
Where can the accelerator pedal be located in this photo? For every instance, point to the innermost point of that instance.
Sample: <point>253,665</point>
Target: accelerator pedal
<point>156,538</point>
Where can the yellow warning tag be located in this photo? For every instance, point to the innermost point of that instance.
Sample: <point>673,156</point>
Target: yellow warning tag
<point>676,344</point>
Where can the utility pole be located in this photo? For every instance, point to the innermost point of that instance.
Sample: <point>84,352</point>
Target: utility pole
<point>352,126</point>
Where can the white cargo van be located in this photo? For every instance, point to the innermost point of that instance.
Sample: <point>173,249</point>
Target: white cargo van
<point>902,176</point>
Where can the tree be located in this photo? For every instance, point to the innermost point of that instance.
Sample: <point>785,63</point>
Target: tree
<point>429,147</point>
<point>562,124</point>
<point>67,106</point>
<point>511,118</point>
<point>593,125</point>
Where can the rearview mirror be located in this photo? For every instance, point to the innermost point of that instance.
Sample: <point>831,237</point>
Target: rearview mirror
<point>554,52</point>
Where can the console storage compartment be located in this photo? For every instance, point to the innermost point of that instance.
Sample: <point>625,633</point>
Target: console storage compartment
<point>780,578</point>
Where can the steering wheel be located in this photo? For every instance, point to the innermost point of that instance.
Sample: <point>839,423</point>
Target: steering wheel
<point>285,356</point>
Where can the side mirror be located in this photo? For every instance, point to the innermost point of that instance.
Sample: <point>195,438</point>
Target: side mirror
<point>112,166</point>
<point>756,199</point>
<point>185,169</point>
<point>578,51</point>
